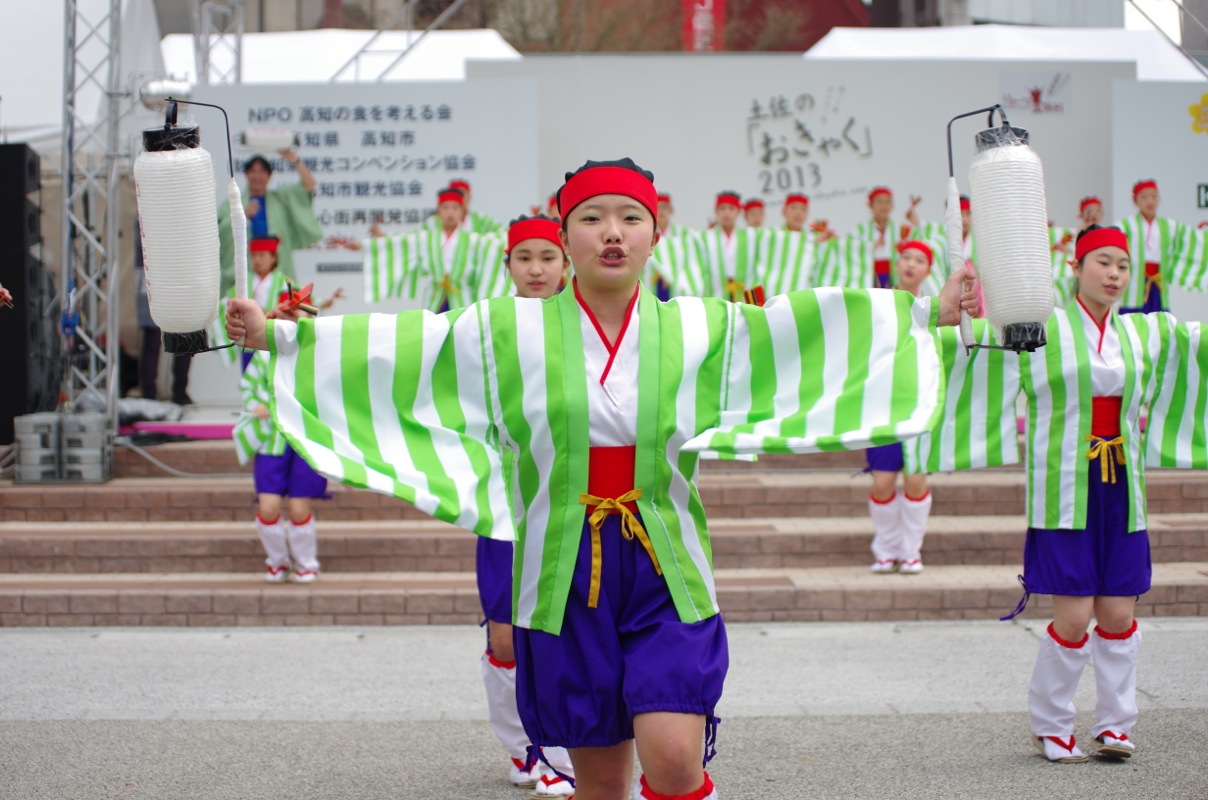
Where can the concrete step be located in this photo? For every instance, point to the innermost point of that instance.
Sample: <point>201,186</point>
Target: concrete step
<point>828,593</point>
<point>431,546</point>
<point>733,494</point>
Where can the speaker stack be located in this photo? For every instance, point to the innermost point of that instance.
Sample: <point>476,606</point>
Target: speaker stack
<point>30,363</point>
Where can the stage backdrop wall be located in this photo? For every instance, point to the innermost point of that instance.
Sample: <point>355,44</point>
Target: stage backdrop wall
<point>767,124</point>
<point>1160,131</point>
<point>376,149</point>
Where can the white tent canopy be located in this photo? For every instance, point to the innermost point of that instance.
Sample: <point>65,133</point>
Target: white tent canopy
<point>1156,58</point>
<point>316,56</point>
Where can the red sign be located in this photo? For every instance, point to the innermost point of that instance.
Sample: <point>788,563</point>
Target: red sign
<point>704,25</point>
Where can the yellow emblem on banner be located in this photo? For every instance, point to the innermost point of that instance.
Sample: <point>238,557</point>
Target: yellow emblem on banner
<point>1199,116</point>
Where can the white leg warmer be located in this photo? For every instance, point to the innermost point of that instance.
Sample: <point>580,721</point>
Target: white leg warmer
<point>1059,665</point>
<point>272,536</point>
<point>303,545</point>
<point>887,528</point>
<point>1115,657</point>
<point>915,514</point>
<point>499,678</point>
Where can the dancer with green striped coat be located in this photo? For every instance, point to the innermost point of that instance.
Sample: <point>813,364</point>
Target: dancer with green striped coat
<point>1087,543</point>
<point>1165,253</point>
<point>437,269</point>
<point>607,399</point>
<point>790,255</point>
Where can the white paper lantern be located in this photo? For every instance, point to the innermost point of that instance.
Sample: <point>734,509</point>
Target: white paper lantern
<point>174,184</point>
<point>269,139</point>
<point>1006,183</point>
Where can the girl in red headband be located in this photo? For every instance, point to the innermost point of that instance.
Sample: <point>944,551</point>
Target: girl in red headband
<point>900,520</point>
<point>538,266</point>
<point>443,265</point>
<point>1087,544</point>
<point>789,256</point>
<point>729,254</point>
<point>1164,251</point>
<point>605,400</point>
<point>864,258</point>
<point>278,472</point>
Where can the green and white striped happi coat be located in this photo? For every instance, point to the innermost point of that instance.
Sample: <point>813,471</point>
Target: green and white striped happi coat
<point>676,260</point>
<point>253,436</point>
<point>229,356</point>
<point>1065,283</point>
<point>1166,370</point>
<point>712,276</point>
<point>850,266</point>
<point>786,261</point>
<point>1184,258</point>
<point>412,266</point>
<point>422,406</point>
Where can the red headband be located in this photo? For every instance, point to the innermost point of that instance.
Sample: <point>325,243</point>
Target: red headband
<point>665,198</point>
<point>460,184</point>
<point>1100,237</point>
<point>917,245</point>
<point>728,199</point>
<point>263,245</point>
<point>1141,186</point>
<point>797,198</point>
<point>1089,201</point>
<point>878,191</point>
<point>753,204</point>
<point>534,228</point>
<point>448,196</point>
<point>607,180</point>
<point>965,204</point>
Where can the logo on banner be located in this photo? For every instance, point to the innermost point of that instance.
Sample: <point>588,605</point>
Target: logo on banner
<point>1199,119</point>
<point>1036,92</point>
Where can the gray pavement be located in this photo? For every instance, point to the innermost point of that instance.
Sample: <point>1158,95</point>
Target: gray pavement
<point>820,710</point>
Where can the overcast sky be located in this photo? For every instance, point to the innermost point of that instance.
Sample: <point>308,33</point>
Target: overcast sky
<point>1163,12</point>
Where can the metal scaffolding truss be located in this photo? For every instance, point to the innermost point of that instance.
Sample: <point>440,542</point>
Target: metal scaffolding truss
<point>405,14</point>
<point>218,40</point>
<point>91,210</point>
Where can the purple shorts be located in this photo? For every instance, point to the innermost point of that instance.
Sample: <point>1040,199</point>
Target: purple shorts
<point>493,561</point>
<point>1103,560</point>
<point>629,655</point>
<point>287,474</point>
<point>886,458</point>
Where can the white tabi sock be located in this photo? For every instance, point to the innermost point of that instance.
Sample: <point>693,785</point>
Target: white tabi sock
<point>499,678</point>
<point>887,528</point>
<point>303,545</point>
<point>1059,665</point>
<point>915,514</point>
<point>1115,657</point>
<point>272,536</point>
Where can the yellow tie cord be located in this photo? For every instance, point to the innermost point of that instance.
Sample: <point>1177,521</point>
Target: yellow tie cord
<point>1152,281</point>
<point>734,289</point>
<point>1103,449</point>
<point>630,527</point>
<point>446,283</point>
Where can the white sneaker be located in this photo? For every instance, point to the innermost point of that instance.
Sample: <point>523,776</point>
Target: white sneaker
<point>276,574</point>
<point>884,566</point>
<point>1058,750</point>
<point>912,567</point>
<point>1111,744</point>
<point>523,775</point>
<point>305,575</point>
<point>550,784</point>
